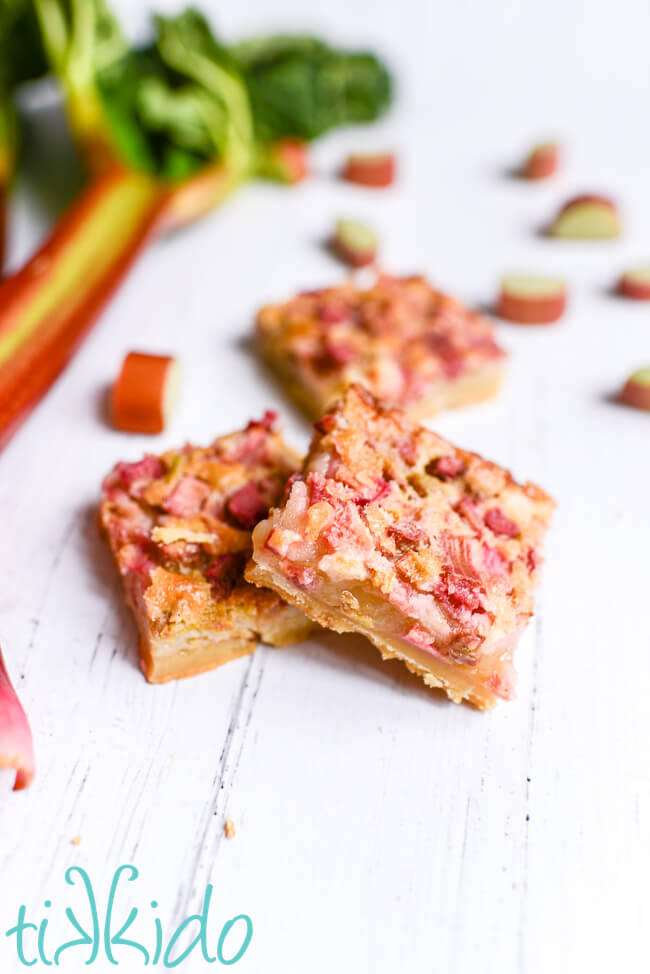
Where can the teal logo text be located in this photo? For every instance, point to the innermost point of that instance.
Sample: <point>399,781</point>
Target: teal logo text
<point>110,936</point>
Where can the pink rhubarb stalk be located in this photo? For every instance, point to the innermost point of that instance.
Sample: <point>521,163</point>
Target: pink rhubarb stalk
<point>16,746</point>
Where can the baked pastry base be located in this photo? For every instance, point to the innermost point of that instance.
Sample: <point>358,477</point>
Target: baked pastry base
<point>435,673</point>
<point>471,387</point>
<point>190,652</point>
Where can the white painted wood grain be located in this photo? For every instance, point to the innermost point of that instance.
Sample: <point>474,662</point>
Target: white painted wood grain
<point>379,828</point>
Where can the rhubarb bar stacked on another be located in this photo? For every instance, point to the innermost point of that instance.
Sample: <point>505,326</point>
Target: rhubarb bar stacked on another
<point>430,551</point>
<point>179,526</point>
<point>410,345</point>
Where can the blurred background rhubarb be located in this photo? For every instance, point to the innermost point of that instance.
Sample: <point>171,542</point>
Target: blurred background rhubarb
<point>167,131</point>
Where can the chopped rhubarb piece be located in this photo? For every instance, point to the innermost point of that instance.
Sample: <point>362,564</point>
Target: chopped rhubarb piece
<point>247,505</point>
<point>224,572</point>
<point>179,528</point>
<point>636,391</point>
<point>495,563</point>
<point>446,467</point>
<point>468,508</point>
<point>142,471</point>
<point>338,352</point>
<point>462,555</point>
<point>16,745</point>
<point>420,638</point>
<point>587,217</point>
<point>411,345</point>
<point>286,160</point>
<point>370,170</point>
<point>186,497</point>
<point>542,161</point>
<point>500,524</point>
<point>145,393</point>
<point>531,300</point>
<point>355,243</point>
<point>269,421</point>
<point>435,572</point>
<point>374,492</point>
<point>408,533</point>
<point>635,283</point>
<point>533,560</point>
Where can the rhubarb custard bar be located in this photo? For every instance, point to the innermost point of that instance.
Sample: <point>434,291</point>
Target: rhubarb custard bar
<point>410,345</point>
<point>430,551</point>
<point>179,526</point>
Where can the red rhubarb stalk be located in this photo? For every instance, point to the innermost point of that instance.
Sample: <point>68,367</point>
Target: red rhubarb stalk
<point>48,307</point>
<point>16,746</point>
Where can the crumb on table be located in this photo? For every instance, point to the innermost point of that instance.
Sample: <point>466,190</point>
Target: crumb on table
<point>76,840</point>
<point>229,828</point>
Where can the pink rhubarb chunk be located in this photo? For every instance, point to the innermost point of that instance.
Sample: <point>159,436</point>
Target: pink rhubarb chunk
<point>16,746</point>
<point>248,506</point>
<point>186,497</point>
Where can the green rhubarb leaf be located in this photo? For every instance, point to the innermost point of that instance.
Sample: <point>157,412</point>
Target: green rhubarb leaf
<point>302,87</point>
<point>179,104</point>
<point>8,140</point>
<point>188,117</point>
<point>188,47</point>
<point>22,57</point>
<point>186,100</point>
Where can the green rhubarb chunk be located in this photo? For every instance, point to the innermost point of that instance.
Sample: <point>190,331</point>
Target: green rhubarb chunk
<point>639,275</point>
<point>589,220</point>
<point>357,236</point>
<point>641,377</point>
<point>532,287</point>
<point>636,391</point>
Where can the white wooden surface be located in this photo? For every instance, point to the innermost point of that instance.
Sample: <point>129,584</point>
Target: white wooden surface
<point>379,828</point>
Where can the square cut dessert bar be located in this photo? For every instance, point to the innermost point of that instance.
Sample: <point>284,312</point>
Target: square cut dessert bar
<point>179,526</point>
<point>430,551</point>
<point>410,345</point>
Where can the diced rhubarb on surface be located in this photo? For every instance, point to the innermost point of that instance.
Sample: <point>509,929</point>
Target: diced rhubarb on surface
<point>531,300</point>
<point>542,161</point>
<point>635,283</point>
<point>370,170</point>
<point>286,160</point>
<point>428,550</point>
<point>16,745</point>
<point>145,393</point>
<point>179,526</point>
<point>636,391</point>
<point>412,345</point>
<point>355,243</point>
<point>587,218</point>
